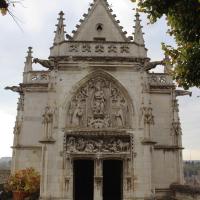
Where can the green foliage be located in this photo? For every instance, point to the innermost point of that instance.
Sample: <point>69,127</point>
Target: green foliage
<point>3,7</point>
<point>183,17</point>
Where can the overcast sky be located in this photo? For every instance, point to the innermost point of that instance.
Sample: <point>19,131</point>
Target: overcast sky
<point>37,19</point>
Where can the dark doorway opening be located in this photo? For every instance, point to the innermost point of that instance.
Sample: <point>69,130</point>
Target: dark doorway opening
<point>83,179</point>
<point>112,180</point>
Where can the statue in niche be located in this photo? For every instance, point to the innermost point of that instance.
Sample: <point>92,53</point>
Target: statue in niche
<point>47,121</point>
<point>119,118</point>
<point>99,101</point>
<point>77,116</point>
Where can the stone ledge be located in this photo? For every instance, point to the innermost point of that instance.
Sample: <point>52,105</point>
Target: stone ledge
<point>186,189</point>
<point>148,141</point>
<point>167,147</point>
<point>47,141</point>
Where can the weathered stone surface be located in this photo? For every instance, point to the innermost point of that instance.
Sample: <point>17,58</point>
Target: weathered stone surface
<point>98,101</point>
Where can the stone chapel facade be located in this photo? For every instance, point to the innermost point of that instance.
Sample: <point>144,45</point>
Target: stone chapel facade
<point>96,123</point>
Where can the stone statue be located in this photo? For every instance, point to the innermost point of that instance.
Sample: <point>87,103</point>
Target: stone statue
<point>99,100</point>
<point>119,118</point>
<point>47,121</point>
<point>77,116</point>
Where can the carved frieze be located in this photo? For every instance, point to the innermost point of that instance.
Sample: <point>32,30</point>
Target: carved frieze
<point>99,104</point>
<point>99,48</point>
<point>100,144</point>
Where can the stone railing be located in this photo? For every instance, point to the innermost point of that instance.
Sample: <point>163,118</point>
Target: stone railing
<point>159,80</point>
<point>185,192</point>
<point>38,77</point>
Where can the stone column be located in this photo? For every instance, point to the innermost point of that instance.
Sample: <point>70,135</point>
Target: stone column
<point>127,179</point>
<point>98,180</point>
<point>69,178</point>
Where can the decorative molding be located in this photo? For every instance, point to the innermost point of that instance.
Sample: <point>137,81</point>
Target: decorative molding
<point>98,49</point>
<point>160,81</point>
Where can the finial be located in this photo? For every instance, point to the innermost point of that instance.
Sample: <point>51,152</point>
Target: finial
<point>138,35</point>
<point>28,62</point>
<point>60,32</point>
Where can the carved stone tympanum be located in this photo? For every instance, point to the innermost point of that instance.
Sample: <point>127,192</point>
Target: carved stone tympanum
<point>99,104</point>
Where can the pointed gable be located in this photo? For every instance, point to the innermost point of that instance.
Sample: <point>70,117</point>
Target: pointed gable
<point>99,24</point>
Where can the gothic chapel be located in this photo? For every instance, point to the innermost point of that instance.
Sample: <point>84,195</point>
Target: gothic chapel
<point>96,123</point>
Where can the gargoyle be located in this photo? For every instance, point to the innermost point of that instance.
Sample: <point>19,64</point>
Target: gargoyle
<point>182,93</point>
<point>69,37</point>
<point>17,89</point>
<point>45,63</point>
<point>151,65</point>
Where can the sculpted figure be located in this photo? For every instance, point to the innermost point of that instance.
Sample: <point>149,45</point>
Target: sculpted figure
<point>80,144</point>
<point>71,145</point>
<point>45,63</point>
<point>119,118</point>
<point>47,120</point>
<point>99,100</point>
<point>90,148</point>
<point>77,116</point>
<point>123,146</point>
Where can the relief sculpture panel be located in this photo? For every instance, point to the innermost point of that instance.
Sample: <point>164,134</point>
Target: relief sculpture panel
<point>94,144</point>
<point>98,104</point>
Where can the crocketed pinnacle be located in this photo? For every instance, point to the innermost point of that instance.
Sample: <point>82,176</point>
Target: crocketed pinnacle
<point>60,31</point>
<point>28,62</point>
<point>138,35</point>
